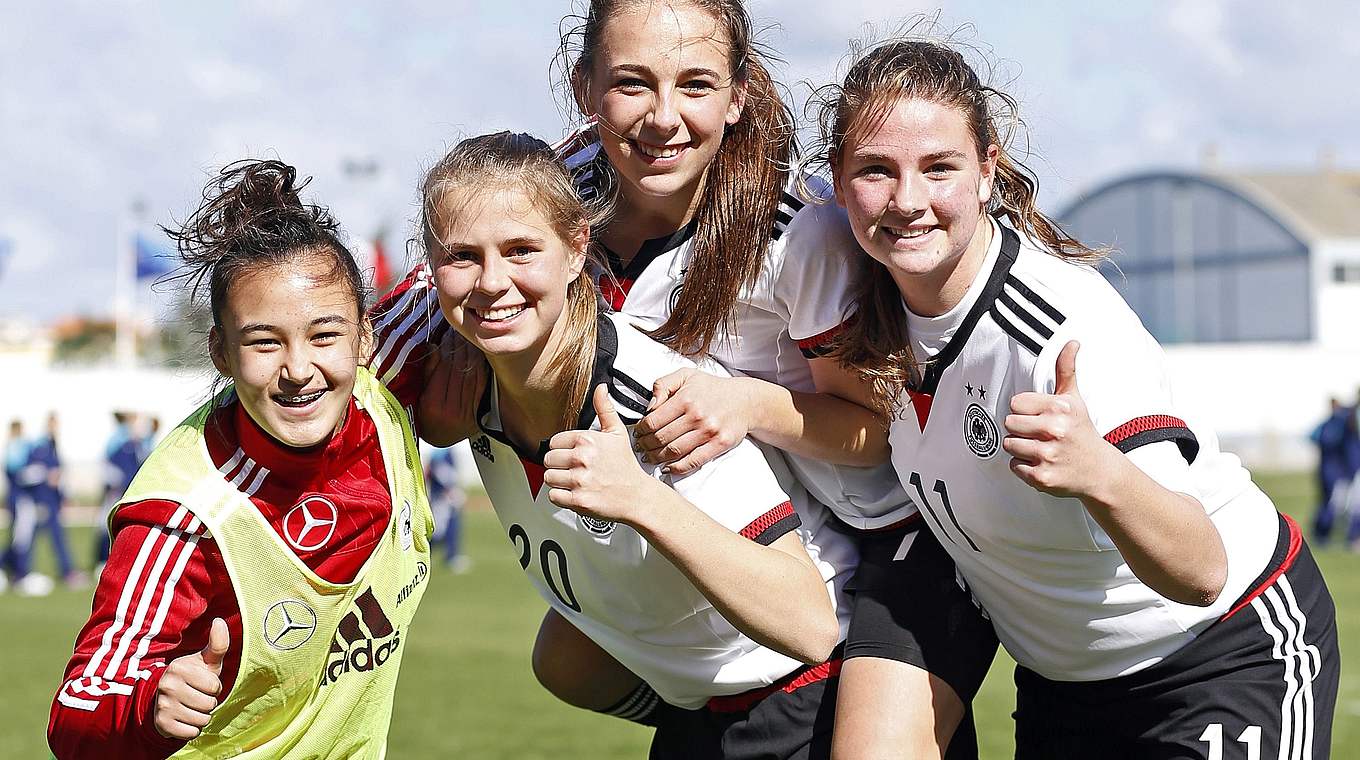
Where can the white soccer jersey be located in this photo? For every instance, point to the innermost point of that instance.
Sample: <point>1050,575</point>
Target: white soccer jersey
<point>1064,602</point>
<point>607,580</point>
<point>801,300</point>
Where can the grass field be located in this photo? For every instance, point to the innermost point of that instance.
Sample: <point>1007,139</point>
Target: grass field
<point>466,690</point>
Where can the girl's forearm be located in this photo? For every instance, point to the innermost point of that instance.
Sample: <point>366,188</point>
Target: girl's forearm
<point>767,592</point>
<point>816,425</point>
<point>1166,537</point>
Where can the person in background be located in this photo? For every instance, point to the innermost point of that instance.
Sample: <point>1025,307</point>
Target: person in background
<point>43,474</point>
<point>123,454</point>
<point>15,563</point>
<point>1347,494</point>
<point>148,441</point>
<point>446,502</point>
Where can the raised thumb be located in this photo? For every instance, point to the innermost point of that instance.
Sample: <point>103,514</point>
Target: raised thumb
<point>604,410</point>
<point>219,641</point>
<point>1065,377</point>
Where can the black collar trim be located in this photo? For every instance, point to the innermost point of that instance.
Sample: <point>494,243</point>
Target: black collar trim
<point>648,252</point>
<point>1010,249</point>
<point>606,350</point>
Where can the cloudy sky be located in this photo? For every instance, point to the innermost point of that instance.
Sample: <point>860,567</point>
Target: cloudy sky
<point>104,103</point>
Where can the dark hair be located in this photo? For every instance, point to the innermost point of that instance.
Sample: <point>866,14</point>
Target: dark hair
<point>876,344</point>
<point>743,183</point>
<point>252,217</point>
<point>510,160</point>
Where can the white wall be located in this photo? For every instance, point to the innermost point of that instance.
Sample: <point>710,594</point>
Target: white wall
<point>1264,399</point>
<point>85,399</point>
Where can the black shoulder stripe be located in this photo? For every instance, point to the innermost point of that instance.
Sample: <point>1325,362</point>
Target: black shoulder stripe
<point>631,384</point>
<point>782,217</point>
<point>1025,316</point>
<point>1015,332</point>
<point>1034,298</point>
<point>790,200</point>
<point>630,403</point>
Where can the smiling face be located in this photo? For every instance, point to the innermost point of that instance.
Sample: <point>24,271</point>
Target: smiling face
<point>915,190</point>
<point>502,271</point>
<point>661,83</point>
<point>290,340</point>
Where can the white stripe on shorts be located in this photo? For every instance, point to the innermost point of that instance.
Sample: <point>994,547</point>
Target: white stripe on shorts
<point>1284,622</point>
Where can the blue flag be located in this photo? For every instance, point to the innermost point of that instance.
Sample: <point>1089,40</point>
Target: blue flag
<point>154,258</point>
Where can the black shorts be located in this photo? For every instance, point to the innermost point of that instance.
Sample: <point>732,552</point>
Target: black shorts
<point>1260,682</point>
<point>789,720</point>
<point>910,605</point>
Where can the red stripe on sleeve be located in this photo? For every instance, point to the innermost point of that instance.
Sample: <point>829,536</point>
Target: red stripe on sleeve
<point>1155,428</point>
<point>766,528</point>
<point>820,340</point>
<point>1142,425</point>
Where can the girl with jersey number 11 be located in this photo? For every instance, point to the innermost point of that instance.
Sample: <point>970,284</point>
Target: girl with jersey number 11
<point>269,556</point>
<point>1156,603</point>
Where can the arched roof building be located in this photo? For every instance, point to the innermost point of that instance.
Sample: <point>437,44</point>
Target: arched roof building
<point>1246,278</point>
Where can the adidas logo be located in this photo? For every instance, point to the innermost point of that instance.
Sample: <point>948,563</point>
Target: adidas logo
<point>353,650</point>
<point>483,446</point>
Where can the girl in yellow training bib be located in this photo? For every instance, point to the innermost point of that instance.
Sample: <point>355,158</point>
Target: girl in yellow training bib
<point>269,556</point>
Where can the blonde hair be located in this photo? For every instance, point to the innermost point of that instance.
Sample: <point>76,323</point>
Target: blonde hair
<point>876,345</point>
<point>525,162</point>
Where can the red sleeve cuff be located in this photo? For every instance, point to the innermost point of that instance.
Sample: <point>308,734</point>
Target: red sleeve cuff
<point>767,528</point>
<point>819,345</point>
<point>1155,428</point>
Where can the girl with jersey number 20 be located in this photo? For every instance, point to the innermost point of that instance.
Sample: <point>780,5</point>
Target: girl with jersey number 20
<point>1156,604</point>
<point>698,584</point>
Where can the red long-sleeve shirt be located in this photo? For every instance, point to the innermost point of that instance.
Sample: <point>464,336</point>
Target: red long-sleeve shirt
<point>165,580</point>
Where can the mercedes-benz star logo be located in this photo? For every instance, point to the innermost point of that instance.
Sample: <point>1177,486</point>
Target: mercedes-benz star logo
<point>289,624</point>
<point>310,524</point>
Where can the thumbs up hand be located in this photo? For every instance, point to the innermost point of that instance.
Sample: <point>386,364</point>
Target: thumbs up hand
<point>1053,444</point>
<point>596,473</point>
<point>189,687</point>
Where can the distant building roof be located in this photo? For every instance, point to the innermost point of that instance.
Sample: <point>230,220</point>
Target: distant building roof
<point>1318,204</point>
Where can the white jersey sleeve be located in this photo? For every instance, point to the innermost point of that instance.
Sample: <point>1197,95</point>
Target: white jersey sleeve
<point>812,263</point>
<point>737,489</point>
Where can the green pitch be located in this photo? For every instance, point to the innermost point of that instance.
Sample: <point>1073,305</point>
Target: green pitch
<point>466,690</point>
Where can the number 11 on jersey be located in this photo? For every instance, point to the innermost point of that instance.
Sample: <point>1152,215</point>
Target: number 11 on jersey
<point>943,490</point>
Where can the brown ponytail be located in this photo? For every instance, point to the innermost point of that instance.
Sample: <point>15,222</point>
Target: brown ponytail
<point>736,212</point>
<point>252,217</point>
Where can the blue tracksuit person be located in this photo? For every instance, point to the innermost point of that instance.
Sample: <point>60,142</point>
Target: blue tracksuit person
<point>446,501</point>
<point>123,455</point>
<point>1333,473</point>
<point>43,476</point>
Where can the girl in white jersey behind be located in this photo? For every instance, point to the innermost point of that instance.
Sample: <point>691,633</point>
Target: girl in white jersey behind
<point>1157,605</point>
<point>719,247</point>
<point>700,583</point>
